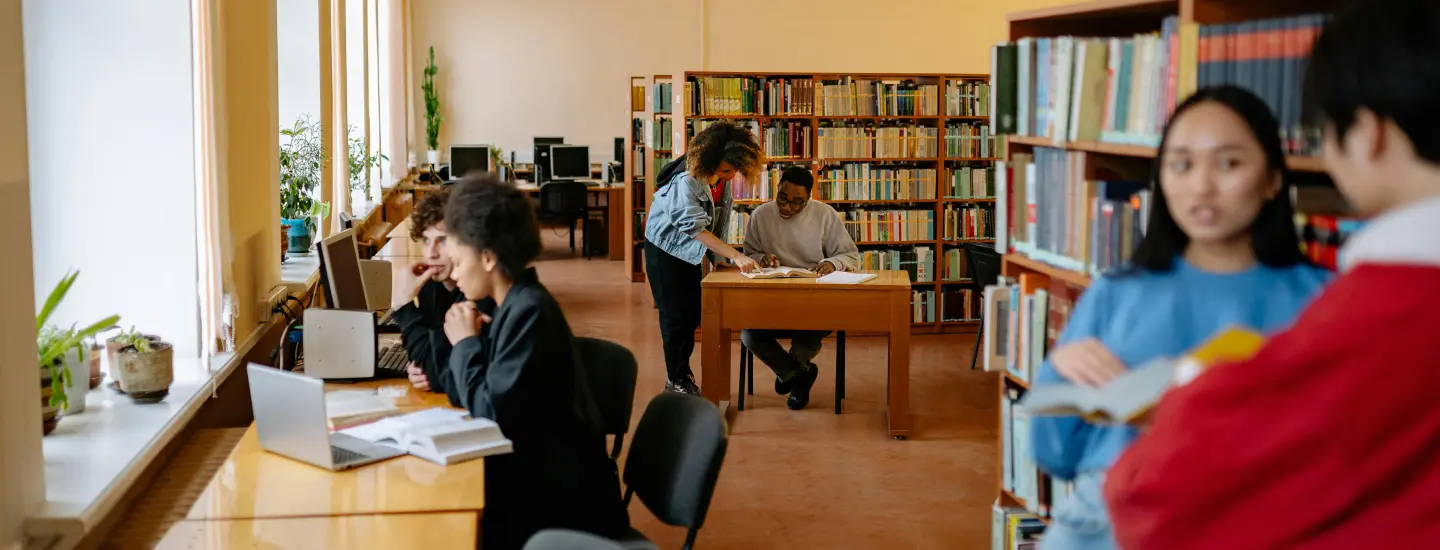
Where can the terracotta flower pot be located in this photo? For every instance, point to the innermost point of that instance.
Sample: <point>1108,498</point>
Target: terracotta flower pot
<point>49,416</point>
<point>145,377</point>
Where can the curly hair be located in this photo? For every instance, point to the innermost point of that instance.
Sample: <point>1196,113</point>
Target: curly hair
<point>723,142</point>
<point>429,212</point>
<point>485,213</point>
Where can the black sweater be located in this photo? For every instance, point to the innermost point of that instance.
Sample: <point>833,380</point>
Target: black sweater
<point>525,376</point>
<point>422,333</point>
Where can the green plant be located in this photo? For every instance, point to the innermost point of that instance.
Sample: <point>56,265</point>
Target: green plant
<point>302,161</point>
<point>432,104</point>
<point>497,157</point>
<point>52,342</point>
<point>133,337</point>
<point>361,161</point>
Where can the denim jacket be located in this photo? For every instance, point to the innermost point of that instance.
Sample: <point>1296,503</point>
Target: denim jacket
<point>681,210</point>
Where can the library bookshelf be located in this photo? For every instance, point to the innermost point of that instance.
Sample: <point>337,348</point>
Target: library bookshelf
<point>1258,44</point>
<point>637,188</point>
<point>788,110</point>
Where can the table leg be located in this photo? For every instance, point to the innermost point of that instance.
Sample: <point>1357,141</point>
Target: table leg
<point>619,241</point>
<point>714,349</point>
<point>899,381</point>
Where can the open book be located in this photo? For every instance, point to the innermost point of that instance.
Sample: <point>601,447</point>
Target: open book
<point>781,273</point>
<point>1130,396</point>
<point>442,436</point>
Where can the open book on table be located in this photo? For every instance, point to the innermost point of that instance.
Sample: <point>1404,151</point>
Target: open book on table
<point>442,436</point>
<point>781,273</point>
<point>1128,397</point>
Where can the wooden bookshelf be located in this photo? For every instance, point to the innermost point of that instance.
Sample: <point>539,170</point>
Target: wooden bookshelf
<point>941,163</point>
<point>1293,162</point>
<point>637,179</point>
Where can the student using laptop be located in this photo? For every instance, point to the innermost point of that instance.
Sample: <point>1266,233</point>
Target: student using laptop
<point>794,231</point>
<point>524,375</point>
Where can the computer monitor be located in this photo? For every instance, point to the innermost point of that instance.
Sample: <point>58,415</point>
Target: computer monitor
<point>465,159</point>
<point>340,263</point>
<point>569,162</point>
<point>549,140</point>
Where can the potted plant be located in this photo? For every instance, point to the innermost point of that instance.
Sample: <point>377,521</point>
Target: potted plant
<point>361,161</point>
<point>432,112</point>
<point>144,367</point>
<point>302,160</point>
<point>53,345</point>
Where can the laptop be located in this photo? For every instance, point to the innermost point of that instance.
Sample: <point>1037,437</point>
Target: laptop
<point>290,420</point>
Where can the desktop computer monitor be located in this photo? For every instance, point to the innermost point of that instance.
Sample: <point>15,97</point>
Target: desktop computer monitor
<point>340,264</point>
<point>465,159</point>
<point>549,140</point>
<point>569,162</point>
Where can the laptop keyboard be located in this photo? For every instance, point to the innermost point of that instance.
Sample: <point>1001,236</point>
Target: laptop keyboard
<point>344,456</point>
<point>392,362</point>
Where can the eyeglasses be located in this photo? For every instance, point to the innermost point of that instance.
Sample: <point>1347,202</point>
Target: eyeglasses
<point>797,203</point>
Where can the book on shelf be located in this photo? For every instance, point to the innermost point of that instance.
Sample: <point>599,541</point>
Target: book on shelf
<point>871,181</point>
<point>887,140</point>
<point>918,261</point>
<point>781,272</point>
<point>1023,318</point>
<point>874,226</point>
<point>663,134</point>
<point>1131,395</point>
<point>442,436</point>
<point>922,306</point>
<point>663,98</point>
<point>1064,219</point>
<point>968,222</point>
<point>971,182</point>
<point>845,278</point>
<point>748,95</point>
<point>850,96</point>
<point>967,98</point>
<point>786,139</point>
<point>969,140</point>
<point>1322,236</point>
<point>958,304</point>
<point>955,267</point>
<point>637,98</point>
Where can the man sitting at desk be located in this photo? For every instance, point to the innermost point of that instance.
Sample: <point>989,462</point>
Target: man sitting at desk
<point>792,231</point>
<point>420,311</point>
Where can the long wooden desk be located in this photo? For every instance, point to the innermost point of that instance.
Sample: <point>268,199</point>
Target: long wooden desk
<point>387,532</point>
<point>615,205</point>
<point>733,302</point>
<point>255,484</point>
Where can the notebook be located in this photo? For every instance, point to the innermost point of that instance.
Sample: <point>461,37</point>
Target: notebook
<point>845,278</point>
<point>442,436</point>
<point>781,273</point>
<point>1130,396</point>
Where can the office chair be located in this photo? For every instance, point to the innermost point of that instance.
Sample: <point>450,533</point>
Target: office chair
<point>610,370</point>
<point>982,266</point>
<point>565,201</point>
<point>674,461</point>
<point>747,373</point>
<point>565,539</point>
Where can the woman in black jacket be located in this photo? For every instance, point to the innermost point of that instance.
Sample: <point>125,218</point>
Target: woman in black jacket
<point>524,375</point>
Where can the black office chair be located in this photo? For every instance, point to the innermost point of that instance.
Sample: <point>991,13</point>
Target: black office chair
<point>610,370</point>
<point>565,539</point>
<point>747,373</point>
<point>565,201</point>
<point>674,461</point>
<point>982,266</point>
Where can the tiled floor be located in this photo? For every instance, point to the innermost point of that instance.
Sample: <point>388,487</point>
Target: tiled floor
<point>811,479</point>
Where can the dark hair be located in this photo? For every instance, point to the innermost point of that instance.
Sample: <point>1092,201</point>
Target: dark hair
<point>486,214</point>
<point>1381,55</point>
<point>799,175</point>
<point>429,212</point>
<point>722,142</point>
<point>1276,242</point>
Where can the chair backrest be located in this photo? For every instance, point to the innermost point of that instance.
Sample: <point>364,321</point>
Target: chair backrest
<point>565,539</point>
<point>982,264</point>
<point>563,198</point>
<point>610,370</point>
<point>675,458</point>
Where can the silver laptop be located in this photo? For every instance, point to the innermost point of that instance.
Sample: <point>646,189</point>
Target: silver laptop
<point>290,420</point>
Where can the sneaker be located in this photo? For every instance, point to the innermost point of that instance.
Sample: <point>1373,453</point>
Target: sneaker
<point>800,388</point>
<point>684,385</point>
<point>782,387</point>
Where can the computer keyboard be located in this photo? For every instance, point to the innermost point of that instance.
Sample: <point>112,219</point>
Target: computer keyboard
<point>342,456</point>
<point>392,362</point>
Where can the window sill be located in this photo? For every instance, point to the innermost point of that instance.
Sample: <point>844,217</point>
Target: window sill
<point>300,273</point>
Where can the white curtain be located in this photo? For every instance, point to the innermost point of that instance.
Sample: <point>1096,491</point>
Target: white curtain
<point>211,194</point>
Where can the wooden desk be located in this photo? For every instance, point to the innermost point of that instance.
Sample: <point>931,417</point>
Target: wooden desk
<point>733,302</point>
<point>255,484</point>
<point>435,531</point>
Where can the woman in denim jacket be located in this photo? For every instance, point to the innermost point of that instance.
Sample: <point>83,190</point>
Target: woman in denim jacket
<point>683,220</point>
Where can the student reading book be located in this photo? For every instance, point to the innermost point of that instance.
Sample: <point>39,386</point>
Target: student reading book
<point>1326,438</point>
<point>1220,249</point>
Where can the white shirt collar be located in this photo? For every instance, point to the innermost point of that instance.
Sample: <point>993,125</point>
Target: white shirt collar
<point>1409,235</point>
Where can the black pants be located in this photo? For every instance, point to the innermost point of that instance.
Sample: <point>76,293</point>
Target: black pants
<point>675,285</point>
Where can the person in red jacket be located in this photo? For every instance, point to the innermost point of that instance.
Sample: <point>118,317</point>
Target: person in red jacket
<point>1329,437</point>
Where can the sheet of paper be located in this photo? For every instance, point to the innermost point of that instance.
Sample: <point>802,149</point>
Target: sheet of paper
<point>845,278</point>
<point>349,403</point>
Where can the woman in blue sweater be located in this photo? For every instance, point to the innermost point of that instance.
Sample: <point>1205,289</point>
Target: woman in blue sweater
<point>1220,249</point>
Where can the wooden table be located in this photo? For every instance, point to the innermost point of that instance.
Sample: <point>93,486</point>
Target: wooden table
<point>255,484</point>
<point>383,532</point>
<point>733,302</point>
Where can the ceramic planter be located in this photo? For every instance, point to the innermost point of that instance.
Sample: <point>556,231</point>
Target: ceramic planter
<point>79,385</point>
<point>145,377</point>
<point>433,157</point>
<point>298,237</point>
<point>112,346</point>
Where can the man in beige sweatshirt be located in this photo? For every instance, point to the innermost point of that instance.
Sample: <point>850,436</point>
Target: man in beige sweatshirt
<point>794,231</point>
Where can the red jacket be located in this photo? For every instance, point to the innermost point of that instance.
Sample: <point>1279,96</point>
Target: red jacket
<point>1329,438</point>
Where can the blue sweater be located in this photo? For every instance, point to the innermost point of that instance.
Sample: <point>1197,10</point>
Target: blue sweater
<point>1144,315</point>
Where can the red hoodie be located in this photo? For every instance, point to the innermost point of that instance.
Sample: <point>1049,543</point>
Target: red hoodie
<point>1328,438</point>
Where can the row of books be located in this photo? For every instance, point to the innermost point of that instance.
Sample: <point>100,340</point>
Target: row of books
<point>971,182</point>
<point>637,98</point>
<point>748,95</point>
<point>865,97</point>
<point>954,267</point>
<point>879,226</point>
<point>1267,56</point>
<point>866,181</point>
<point>637,131</point>
<point>1014,528</point>
<point>969,141</point>
<point>958,304</point>
<point>1322,236</point>
<point>918,261</point>
<point>664,131</point>
<point>842,141</point>
<point>922,306</point>
<point>967,98</point>
<point>787,139</point>
<point>735,234</point>
<point>639,225</point>
<point>968,222</point>
<point>660,160</point>
<point>1085,225</point>
<point>664,98</point>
